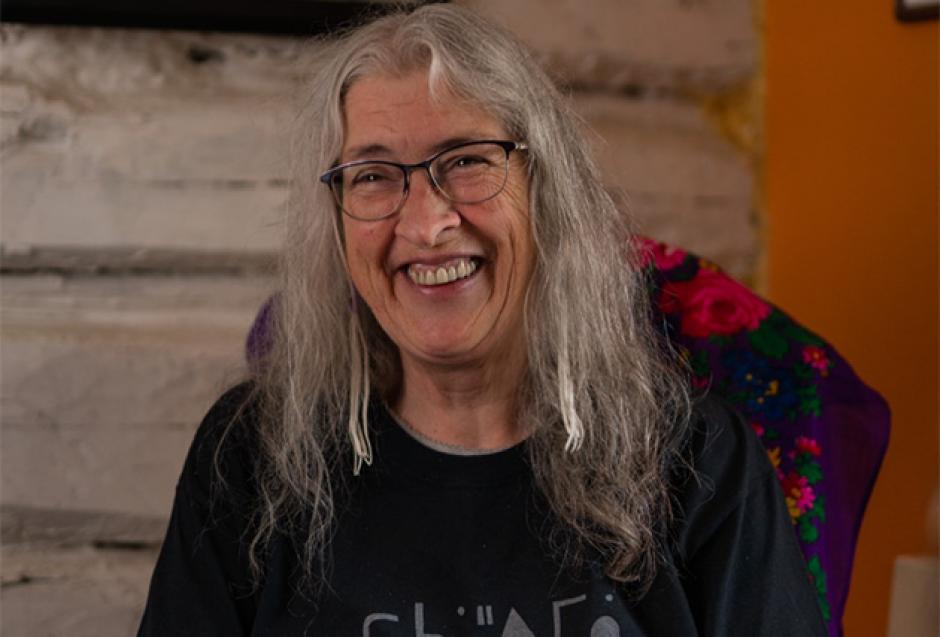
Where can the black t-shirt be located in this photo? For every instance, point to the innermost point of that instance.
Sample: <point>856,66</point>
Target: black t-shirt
<point>439,545</point>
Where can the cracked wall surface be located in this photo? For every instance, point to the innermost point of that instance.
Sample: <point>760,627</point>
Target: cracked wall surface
<point>142,186</point>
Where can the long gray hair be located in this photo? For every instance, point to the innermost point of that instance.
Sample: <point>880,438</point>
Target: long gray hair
<point>607,411</point>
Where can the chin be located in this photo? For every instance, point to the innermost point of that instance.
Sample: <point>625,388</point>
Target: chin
<point>448,351</point>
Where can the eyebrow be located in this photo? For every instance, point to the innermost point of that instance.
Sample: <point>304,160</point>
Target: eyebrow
<point>367,151</point>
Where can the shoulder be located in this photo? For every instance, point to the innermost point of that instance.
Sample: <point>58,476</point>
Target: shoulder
<point>726,465</point>
<point>225,444</point>
<point>722,445</point>
<point>231,420</point>
<point>738,557</point>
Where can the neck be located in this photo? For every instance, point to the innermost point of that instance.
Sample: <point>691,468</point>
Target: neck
<point>468,407</point>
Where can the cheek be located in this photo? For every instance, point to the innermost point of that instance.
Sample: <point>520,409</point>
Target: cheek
<point>520,234</point>
<point>355,259</point>
<point>365,258</point>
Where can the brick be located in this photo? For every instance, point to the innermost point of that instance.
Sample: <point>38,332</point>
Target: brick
<point>645,45</point>
<point>164,156</point>
<point>77,592</point>
<point>174,174</point>
<point>88,467</point>
<point>159,152</point>
<point>105,380</point>
<point>30,526</point>
<point>42,211</point>
<point>100,65</point>
<point>685,183</point>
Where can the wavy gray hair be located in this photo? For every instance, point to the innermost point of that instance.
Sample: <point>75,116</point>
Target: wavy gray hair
<point>607,410</point>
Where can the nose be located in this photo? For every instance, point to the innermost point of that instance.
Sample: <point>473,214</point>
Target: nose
<point>427,216</point>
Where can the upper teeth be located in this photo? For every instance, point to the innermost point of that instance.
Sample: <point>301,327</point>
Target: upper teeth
<point>446,273</point>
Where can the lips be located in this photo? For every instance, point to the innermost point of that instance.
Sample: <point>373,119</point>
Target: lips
<point>442,273</point>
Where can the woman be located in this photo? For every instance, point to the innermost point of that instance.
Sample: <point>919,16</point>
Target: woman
<point>465,424</point>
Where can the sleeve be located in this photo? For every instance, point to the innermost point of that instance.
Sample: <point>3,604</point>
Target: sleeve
<point>200,584</point>
<point>744,572</point>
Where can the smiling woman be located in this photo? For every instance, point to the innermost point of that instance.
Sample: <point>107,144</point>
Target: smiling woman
<point>468,329</point>
<point>465,405</point>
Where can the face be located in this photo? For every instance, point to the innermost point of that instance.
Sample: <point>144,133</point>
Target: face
<point>478,317</point>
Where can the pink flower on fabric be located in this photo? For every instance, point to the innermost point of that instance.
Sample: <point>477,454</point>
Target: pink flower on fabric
<point>664,256</point>
<point>808,445</point>
<point>667,257</point>
<point>758,428</point>
<point>713,304</point>
<point>816,358</point>
<point>806,499</point>
<point>799,495</point>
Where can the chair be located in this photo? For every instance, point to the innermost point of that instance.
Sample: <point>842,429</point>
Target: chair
<point>825,431</point>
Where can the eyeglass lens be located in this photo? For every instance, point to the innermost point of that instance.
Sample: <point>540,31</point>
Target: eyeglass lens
<point>467,174</point>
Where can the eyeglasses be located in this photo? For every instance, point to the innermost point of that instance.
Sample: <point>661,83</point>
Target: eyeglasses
<point>472,172</point>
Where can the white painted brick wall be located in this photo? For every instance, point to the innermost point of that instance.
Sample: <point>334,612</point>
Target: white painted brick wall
<point>652,45</point>
<point>105,380</point>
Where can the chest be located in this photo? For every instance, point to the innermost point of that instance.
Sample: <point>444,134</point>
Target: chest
<point>423,561</point>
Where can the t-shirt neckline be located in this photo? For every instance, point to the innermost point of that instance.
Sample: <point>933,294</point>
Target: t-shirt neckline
<point>399,453</point>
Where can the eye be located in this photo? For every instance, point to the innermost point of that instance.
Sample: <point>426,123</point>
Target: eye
<point>366,177</point>
<point>469,160</point>
<point>466,162</point>
<point>371,176</point>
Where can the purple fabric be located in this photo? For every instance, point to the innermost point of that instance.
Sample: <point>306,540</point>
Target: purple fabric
<point>258,341</point>
<point>824,429</point>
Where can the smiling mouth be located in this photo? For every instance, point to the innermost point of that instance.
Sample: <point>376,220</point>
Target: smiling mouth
<point>444,273</point>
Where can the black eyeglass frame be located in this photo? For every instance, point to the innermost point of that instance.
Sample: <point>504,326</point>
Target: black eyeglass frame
<point>328,177</point>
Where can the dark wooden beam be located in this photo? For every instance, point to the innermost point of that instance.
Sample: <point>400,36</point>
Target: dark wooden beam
<point>293,17</point>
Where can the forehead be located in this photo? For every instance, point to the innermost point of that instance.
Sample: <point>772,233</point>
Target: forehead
<point>398,116</point>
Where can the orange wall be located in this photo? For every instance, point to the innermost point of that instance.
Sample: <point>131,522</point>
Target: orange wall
<point>851,197</point>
